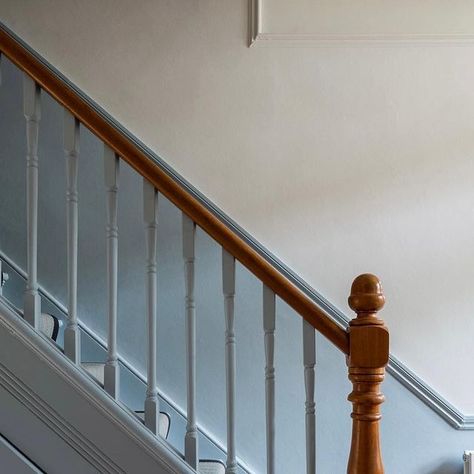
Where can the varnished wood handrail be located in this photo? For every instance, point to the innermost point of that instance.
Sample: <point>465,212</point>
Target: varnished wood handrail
<point>179,196</point>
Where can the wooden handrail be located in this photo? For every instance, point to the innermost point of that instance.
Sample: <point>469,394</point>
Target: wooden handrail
<point>173,191</point>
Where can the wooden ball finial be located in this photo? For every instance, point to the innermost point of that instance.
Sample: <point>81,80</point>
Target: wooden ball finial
<point>366,294</point>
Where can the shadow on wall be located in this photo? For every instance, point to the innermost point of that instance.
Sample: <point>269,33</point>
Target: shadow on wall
<point>448,468</point>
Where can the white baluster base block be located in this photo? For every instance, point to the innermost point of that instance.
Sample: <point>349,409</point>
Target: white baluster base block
<point>112,379</point>
<point>72,343</point>
<point>32,308</point>
<point>191,449</point>
<point>152,410</point>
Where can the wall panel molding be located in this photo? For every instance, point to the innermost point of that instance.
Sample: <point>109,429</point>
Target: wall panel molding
<point>259,37</point>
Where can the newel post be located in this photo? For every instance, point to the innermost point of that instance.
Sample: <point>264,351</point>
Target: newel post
<point>367,359</point>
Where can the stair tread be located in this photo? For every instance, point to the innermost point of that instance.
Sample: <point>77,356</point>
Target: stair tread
<point>48,324</point>
<point>96,371</point>
<point>209,466</point>
<point>164,422</point>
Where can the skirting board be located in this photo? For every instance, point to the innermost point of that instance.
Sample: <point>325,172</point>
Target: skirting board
<point>404,375</point>
<point>257,36</point>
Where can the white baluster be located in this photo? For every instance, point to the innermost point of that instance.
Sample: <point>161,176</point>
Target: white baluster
<point>228,283</point>
<point>32,111</point>
<point>309,360</point>
<point>72,344</point>
<point>150,207</point>
<point>269,309</point>
<point>111,175</point>
<point>191,438</point>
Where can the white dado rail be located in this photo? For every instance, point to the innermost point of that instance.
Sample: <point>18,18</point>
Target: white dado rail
<point>365,344</point>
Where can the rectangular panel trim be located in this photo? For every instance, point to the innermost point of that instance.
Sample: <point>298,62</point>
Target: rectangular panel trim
<point>257,37</point>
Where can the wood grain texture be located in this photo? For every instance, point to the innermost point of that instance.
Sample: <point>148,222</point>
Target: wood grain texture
<point>368,356</point>
<point>173,191</point>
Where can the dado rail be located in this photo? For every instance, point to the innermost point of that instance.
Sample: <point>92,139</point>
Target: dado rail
<point>365,344</point>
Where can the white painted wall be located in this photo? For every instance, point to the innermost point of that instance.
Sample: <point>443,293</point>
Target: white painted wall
<point>339,160</point>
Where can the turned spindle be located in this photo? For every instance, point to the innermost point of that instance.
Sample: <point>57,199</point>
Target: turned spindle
<point>368,356</point>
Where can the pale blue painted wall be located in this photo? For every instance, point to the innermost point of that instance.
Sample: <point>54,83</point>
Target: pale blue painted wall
<point>415,440</point>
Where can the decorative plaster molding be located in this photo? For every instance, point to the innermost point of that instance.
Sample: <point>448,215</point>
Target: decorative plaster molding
<point>257,37</point>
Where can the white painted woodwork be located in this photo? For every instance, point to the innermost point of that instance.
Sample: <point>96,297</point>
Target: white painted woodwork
<point>164,422</point>
<point>32,112</point>
<point>150,212</point>
<point>111,175</point>
<point>228,284</point>
<point>95,370</point>
<point>211,467</point>
<point>191,438</point>
<point>72,339</point>
<point>303,22</point>
<point>269,312</point>
<point>0,69</point>
<point>309,360</point>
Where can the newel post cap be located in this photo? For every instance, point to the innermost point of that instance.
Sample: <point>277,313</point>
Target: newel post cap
<point>366,294</point>
<point>369,337</point>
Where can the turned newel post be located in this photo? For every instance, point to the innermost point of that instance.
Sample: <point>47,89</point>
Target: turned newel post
<point>367,359</point>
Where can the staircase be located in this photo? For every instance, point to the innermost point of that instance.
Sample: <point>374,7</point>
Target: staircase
<point>78,399</point>
<point>50,327</point>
